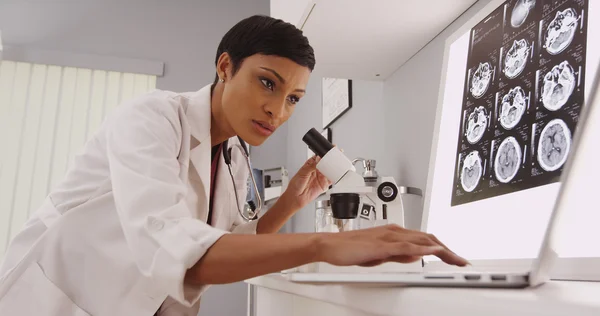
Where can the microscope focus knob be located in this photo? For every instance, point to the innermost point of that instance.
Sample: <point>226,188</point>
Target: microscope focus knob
<point>387,192</point>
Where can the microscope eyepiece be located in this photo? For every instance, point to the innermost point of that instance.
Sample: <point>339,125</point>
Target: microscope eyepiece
<point>317,143</point>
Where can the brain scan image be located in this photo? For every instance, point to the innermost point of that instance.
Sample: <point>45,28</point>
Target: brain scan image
<point>471,171</point>
<point>516,58</point>
<point>508,159</point>
<point>554,145</point>
<point>520,12</point>
<point>561,31</point>
<point>513,107</point>
<point>559,83</point>
<point>476,125</point>
<point>481,79</point>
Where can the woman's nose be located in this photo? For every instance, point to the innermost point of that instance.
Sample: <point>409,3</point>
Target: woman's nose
<point>275,109</point>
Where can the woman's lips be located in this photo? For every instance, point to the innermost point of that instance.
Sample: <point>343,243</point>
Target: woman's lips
<point>263,128</point>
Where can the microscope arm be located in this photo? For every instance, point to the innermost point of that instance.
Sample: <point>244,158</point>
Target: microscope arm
<point>351,182</point>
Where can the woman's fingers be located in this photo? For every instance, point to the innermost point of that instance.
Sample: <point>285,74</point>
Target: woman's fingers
<point>437,241</point>
<point>404,259</point>
<point>420,237</point>
<point>448,255</point>
<point>433,239</point>
<point>397,259</point>
<point>409,249</point>
<point>406,248</point>
<point>392,243</point>
<point>414,236</point>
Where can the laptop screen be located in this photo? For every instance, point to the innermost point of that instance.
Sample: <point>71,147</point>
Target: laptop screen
<point>515,86</point>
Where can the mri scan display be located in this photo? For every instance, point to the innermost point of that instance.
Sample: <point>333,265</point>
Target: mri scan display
<point>508,159</point>
<point>471,171</point>
<point>554,145</point>
<point>520,12</point>
<point>561,31</point>
<point>481,79</point>
<point>516,58</point>
<point>513,107</point>
<point>523,89</point>
<point>558,86</point>
<point>476,125</point>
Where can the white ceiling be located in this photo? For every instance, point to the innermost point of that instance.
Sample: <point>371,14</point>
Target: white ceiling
<point>289,10</point>
<point>360,39</point>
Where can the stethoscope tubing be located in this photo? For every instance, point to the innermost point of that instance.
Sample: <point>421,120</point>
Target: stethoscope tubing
<point>253,213</point>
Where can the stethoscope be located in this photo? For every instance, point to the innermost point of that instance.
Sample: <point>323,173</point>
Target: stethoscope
<point>251,209</point>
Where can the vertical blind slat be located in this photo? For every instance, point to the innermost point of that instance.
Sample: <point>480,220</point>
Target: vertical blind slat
<point>63,125</point>
<point>13,141</point>
<point>43,158</point>
<point>113,90</point>
<point>80,109</point>
<point>31,125</point>
<point>7,80</point>
<point>96,102</point>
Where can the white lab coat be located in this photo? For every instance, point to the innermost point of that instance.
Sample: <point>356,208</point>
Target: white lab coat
<point>118,234</point>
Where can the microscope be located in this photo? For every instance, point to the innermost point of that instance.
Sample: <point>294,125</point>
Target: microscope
<point>357,201</point>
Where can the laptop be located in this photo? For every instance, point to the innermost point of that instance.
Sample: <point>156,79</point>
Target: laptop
<point>538,272</point>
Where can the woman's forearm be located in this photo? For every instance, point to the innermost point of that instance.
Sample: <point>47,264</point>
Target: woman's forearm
<point>276,217</point>
<point>236,257</point>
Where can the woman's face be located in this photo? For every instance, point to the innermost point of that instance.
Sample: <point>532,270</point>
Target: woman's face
<point>262,95</point>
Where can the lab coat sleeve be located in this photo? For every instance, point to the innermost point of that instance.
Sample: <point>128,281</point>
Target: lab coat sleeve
<point>143,143</point>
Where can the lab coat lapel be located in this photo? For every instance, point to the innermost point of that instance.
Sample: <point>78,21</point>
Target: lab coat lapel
<point>200,157</point>
<point>199,114</point>
<point>222,205</point>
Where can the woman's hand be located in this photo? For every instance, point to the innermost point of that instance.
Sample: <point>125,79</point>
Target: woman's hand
<point>374,246</point>
<point>306,185</point>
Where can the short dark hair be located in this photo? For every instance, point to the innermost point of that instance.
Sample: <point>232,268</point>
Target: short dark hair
<point>265,35</point>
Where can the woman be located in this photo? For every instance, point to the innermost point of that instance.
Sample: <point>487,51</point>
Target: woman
<point>147,218</point>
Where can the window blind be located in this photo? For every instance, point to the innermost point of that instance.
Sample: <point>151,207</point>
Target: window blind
<point>47,113</point>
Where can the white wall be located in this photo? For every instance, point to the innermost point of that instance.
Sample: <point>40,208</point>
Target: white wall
<point>182,34</point>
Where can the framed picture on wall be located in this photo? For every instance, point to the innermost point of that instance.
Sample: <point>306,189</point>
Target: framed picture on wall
<point>336,99</point>
<point>327,134</point>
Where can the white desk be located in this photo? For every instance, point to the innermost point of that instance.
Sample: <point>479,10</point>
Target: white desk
<point>277,296</point>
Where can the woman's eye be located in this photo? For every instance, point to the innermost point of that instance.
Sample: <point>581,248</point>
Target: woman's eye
<point>268,84</point>
<point>294,99</point>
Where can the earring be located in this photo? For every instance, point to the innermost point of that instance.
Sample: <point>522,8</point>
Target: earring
<point>222,80</point>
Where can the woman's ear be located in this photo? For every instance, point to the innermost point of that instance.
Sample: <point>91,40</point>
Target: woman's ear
<point>224,66</point>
